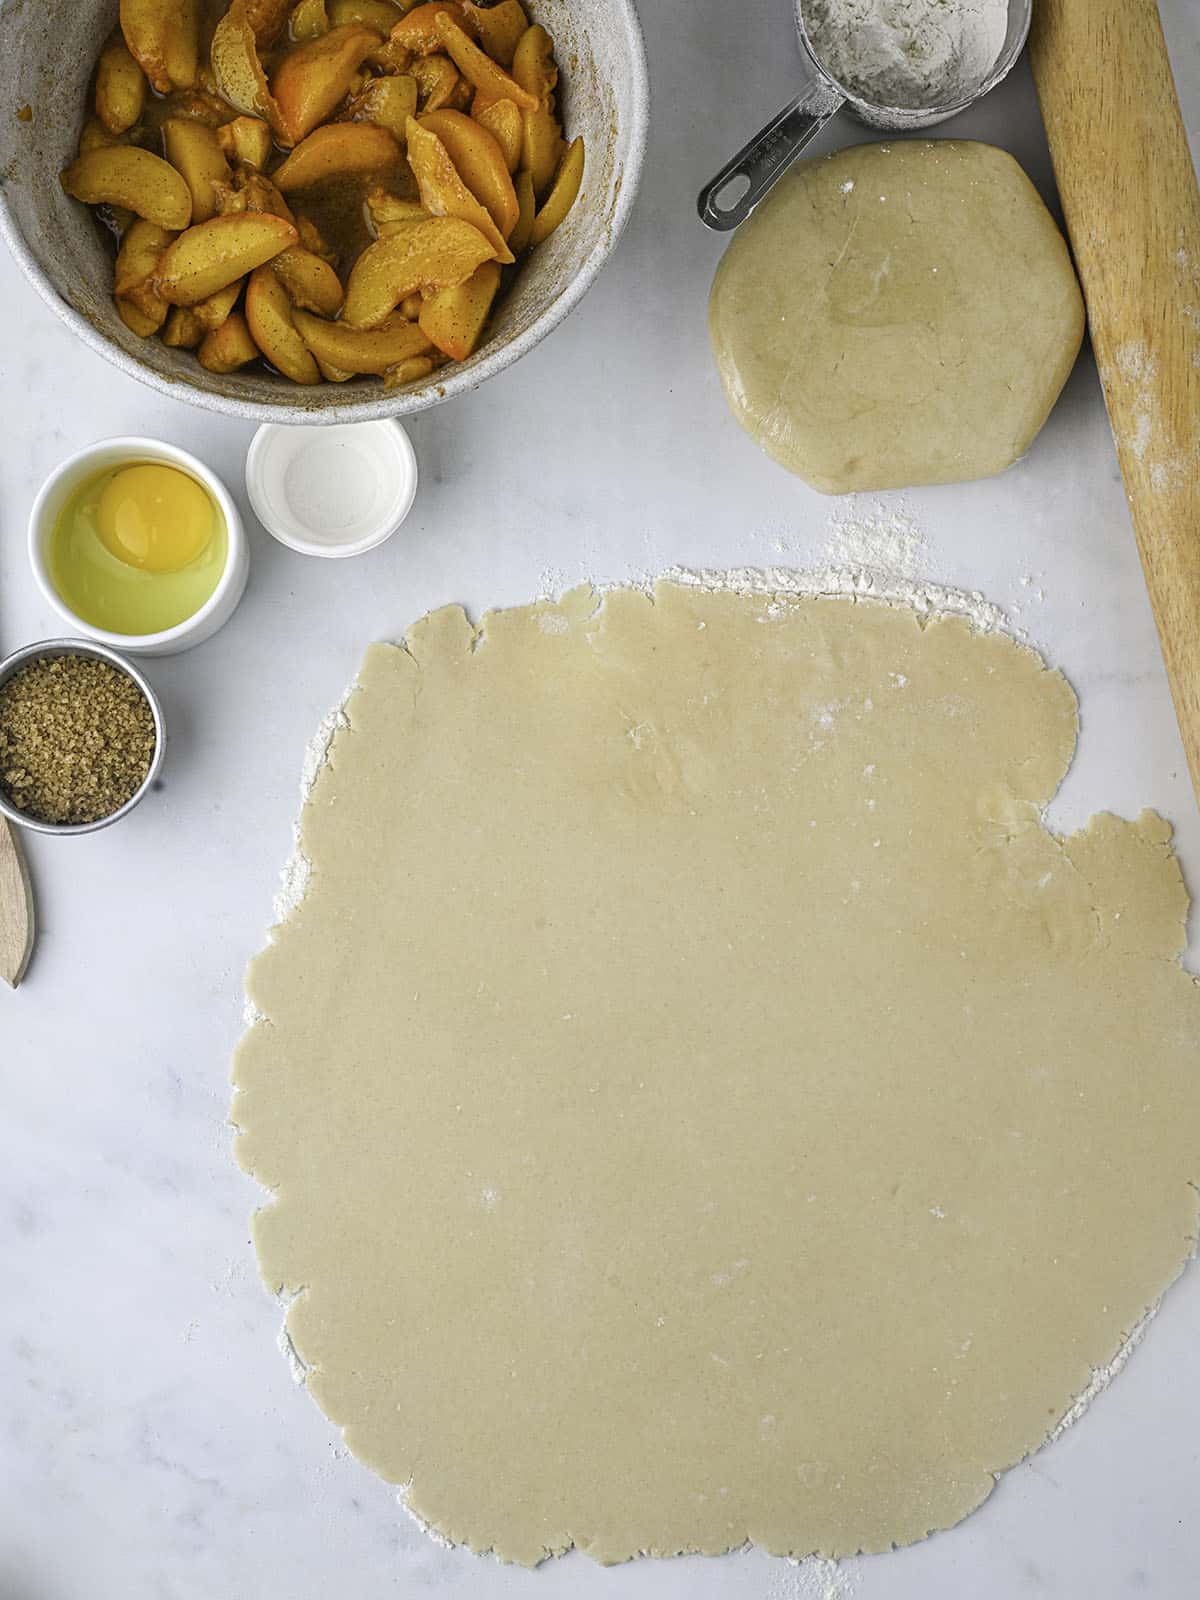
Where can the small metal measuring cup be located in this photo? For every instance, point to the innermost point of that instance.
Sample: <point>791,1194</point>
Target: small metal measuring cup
<point>771,152</point>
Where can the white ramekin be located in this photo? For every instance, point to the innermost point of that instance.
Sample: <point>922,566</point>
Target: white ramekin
<point>332,492</point>
<point>85,463</point>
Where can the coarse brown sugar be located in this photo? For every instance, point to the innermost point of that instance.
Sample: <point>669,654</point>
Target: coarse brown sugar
<point>77,737</point>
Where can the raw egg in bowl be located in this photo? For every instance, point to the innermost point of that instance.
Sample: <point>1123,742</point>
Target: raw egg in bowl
<point>138,545</point>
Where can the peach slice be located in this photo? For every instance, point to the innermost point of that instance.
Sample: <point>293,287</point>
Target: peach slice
<point>385,206</point>
<point>505,122</point>
<point>333,374</point>
<point>409,371</point>
<point>309,21</point>
<point>229,197</point>
<point>246,140</point>
<point>138,258</point>
<point>562,195</point>
<point>337,150</point>
<point>418,30</point>
<point>251,191</point>
<point>183,329</point>
<point>388,57</point>
<point>193,150</point>
<point>422,255</point>
<point>389,102</point>
<point>211,313</point>
<point>453,319</point>
<point>541,146</point>
<point>381,15</point>
<point>478,68</point>
<point>228,347</point>
<point>361,350</point>
<point>518,239</point>
<point>124,175</point>
<point>148,301</point>
<point>267,18</point>
<point>479,161</point>
<point>313,239</point>
<point>183,43</point>
<point>311,283</point>
<point>498,28</point>
<point>95,136</point>
<point>542,141</point>
<point>120,87</point>
<point>443,192</point>
<point>137,266</point>
<point>313,78</point>
<point>164,39</point>
<point>262,194</point>
<point>137,321</point>
<point>533,64</point>
<point>198,105</point>
<point>236,67</point>
<point>388,212</point>
<point>210,256</point>
<point>437,80</point>
<point>269,318</point>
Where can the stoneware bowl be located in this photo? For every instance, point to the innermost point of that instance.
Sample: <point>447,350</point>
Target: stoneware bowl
<point>48,52</point>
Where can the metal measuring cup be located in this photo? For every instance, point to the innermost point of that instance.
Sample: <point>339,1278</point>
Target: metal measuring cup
<point>771,152</point>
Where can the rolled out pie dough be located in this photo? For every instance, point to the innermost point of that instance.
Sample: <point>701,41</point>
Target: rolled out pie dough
<point>702,1100</point>
<point>897,314</point>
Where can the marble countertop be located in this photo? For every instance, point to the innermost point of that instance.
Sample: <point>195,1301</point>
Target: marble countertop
<point>152,1443</point>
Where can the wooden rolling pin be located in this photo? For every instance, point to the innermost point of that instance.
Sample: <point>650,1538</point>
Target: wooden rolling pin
<point>16,908</point>
<point>1132,208</point>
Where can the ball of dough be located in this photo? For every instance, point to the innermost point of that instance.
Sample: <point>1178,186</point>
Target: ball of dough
<point>897,314</point>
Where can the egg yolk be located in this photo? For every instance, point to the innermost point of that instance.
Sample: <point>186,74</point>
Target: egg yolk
<point>154,518</point>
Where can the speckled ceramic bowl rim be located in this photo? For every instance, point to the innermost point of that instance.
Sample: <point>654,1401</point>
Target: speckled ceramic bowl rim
<point>139,447</point>
<point>458,382</point>
<point>46,649</point>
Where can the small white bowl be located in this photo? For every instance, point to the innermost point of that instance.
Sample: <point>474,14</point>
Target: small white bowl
<point>94,458</point>
<point>331,491</point>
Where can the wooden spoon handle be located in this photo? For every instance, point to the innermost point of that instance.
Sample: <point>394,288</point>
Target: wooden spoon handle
<point>16,908</point>
<point>1132,208</point>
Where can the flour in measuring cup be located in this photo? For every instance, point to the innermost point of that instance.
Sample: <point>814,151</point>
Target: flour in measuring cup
<point>914,54</point>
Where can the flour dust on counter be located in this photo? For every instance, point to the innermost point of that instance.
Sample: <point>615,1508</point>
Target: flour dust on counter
<point>862,580</point>
<point>700,1098</point>
<point>884,539</point>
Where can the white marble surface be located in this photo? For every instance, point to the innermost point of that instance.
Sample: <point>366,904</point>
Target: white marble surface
<point>152,1443</point>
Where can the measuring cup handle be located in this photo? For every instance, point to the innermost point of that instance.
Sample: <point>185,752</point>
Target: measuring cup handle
<point>768,156</point>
